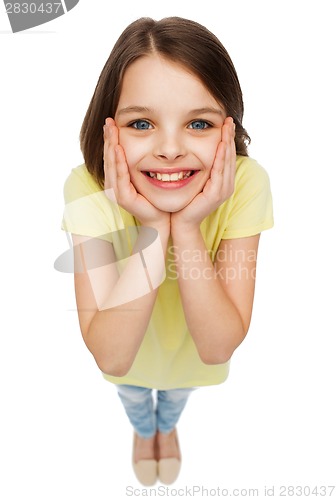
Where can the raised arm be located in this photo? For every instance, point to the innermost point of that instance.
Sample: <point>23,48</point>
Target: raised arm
<point>115,307</point>
<point>217,297</point>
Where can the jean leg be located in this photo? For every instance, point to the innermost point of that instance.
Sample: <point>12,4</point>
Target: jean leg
<point>138,404</point>
<point>170,405</point>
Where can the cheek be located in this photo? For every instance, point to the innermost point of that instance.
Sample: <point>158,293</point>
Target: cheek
<point>206,151</point>
<point>134,149</point>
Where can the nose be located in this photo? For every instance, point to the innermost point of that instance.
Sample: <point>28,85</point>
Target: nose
<point>169,145</point>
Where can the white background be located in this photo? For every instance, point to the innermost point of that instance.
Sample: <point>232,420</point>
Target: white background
<point>64,434</point>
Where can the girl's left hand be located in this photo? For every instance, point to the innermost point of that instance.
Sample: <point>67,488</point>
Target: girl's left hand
<point>219,186</point>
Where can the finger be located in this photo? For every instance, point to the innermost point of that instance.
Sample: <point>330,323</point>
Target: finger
<point>224,161</point>
<point>228,129</point>
<point>233,161</point>
<point>123,179</point>
<point>109,121</point>
<point>107,134</point>
<point>221,182</point>
<point>219,162</point>
<point>213,187</point>
<point>221,157</point>
<point>111,133</point>
<point>229,132</point>
<point>110,140</point>
<point>229,167</point>
<point>230,158</point>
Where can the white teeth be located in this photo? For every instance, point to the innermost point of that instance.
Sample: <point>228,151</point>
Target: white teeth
<point>176,176</point>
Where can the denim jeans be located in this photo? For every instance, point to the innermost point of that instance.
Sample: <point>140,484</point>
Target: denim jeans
<point>147,418</point>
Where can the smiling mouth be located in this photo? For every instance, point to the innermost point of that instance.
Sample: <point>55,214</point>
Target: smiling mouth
<point>174,177</point>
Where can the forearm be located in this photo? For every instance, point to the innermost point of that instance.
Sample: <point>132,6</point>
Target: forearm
<point>115,334</point>
<point>125,307</point>
<point>213,320</point>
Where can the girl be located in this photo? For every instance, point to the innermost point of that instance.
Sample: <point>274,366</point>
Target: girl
<point>165,217</point>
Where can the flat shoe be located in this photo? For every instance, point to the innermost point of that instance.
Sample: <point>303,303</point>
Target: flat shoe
<point>145,470</point>
<point>169,468</point>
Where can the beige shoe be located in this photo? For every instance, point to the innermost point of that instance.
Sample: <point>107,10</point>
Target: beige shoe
<point>169,468</point>
<point>146,469</point>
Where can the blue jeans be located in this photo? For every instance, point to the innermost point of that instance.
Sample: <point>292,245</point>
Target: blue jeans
<point>145,418</point>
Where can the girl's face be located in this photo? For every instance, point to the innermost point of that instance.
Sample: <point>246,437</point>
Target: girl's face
<point>170,127</point>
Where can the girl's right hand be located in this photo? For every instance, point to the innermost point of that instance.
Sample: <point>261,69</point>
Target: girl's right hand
<point>118,186</point>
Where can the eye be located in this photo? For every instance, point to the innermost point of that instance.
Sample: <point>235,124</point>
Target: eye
<point>199,125</point>
<point>141,125</point>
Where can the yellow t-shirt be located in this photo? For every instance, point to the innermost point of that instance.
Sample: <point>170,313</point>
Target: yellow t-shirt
<point>168,357</point>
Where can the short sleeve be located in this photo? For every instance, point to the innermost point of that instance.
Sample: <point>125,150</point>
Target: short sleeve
<point>251,205</point>
<point>87,210</point>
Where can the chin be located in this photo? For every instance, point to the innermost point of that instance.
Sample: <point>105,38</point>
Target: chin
<point>170,206</point>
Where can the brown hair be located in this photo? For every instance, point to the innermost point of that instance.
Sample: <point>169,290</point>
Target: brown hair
<point>179,40</point>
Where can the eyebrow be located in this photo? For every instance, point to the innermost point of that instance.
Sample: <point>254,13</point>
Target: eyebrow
<point>201,111</point>
<point>144,109</point>
<point>134,109</point>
